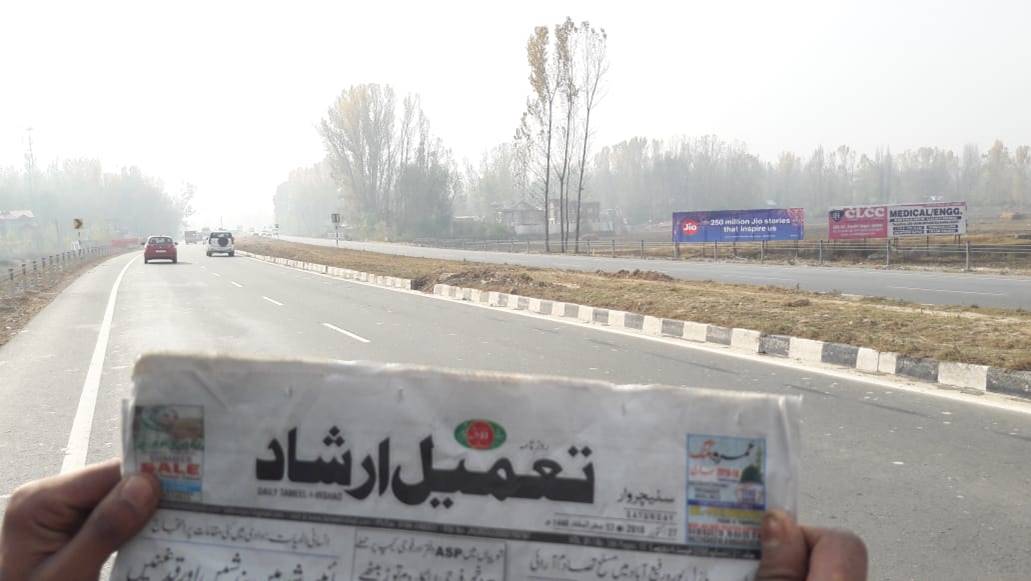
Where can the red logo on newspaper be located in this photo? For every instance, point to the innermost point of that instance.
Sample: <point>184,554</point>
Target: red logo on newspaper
<point>480,434</point>
<point>689,227</point>
<point>187,469</point>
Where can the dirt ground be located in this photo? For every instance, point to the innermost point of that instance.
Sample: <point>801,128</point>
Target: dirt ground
<point>17,310</point>
<point>968,334</point>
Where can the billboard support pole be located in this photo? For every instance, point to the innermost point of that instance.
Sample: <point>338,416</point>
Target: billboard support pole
<point>642,249</point>
<point>715,251</point>
<point>821,252</point>
<point>968,255</point>
<point>762,251</point>
<point>613,248</point>
<point>887,252</point>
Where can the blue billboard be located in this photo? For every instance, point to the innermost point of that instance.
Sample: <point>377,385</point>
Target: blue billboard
<point>739,225</point>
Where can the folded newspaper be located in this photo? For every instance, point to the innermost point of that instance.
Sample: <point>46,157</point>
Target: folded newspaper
<point>333,470</point>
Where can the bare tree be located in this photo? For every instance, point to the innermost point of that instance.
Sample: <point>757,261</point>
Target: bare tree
<point>544,79</point>
<point>564,60</point>
<point>594,65</point>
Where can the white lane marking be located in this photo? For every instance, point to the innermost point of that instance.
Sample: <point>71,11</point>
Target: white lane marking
<point>940,290</point>
<point>82,425</point>
<point>236,284</point>
<point>273,301</point>
<point>215,274</point>
<point>346,332</point>
<point>992,401</point>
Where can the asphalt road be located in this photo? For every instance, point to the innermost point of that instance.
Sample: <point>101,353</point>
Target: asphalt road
<point>944,288</point>
<point>938,488</point>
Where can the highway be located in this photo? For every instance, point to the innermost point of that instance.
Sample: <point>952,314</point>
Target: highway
<point>945,288</point>
<point>938,487</point>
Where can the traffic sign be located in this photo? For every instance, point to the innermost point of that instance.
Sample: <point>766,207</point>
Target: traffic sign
<point>336,218</point>
<point>77,223</point>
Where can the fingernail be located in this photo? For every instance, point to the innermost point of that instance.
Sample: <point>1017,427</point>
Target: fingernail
<point>139,492</point>
<point>772,531</point>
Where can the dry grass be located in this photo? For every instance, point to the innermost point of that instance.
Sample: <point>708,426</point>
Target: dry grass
<point>969,334</point>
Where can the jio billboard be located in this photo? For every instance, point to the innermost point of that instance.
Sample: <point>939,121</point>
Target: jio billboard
<point>853,222</point>
<point>739,225</point>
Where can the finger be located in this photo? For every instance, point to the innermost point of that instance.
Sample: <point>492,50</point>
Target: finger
<point>835,555</point>
<point>79,490</point>
<point>118,517</point>
<point>784,551</point>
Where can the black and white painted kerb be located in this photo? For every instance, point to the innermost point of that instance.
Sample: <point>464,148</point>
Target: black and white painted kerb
<point>945,374</point>
<point>367,277</point>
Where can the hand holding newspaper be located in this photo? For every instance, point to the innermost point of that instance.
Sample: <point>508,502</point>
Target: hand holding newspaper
<point>322,471</point>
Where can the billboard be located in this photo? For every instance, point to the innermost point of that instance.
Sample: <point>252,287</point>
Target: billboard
<point>739,225</point>
<point>853,222</point>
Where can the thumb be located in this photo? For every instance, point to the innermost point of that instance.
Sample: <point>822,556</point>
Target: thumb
<point>119,516</point>
<point>784,553</point>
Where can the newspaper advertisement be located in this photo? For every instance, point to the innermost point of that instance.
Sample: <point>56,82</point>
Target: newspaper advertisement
<point>339,470</point>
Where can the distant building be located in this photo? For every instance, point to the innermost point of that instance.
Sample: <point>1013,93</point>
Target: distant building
<point>593,220</point>
<point>523,218</point>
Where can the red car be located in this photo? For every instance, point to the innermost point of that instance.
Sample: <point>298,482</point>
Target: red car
<point>160,248</point>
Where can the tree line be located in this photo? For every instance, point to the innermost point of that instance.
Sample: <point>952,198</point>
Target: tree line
<point>648,179</point>
<point>111,204</point>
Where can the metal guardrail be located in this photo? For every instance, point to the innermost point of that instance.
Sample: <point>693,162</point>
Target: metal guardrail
<point>31,275</point>
<point>896,251</point>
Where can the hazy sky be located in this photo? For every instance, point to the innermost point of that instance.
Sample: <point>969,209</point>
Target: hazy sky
<point>227,94</point>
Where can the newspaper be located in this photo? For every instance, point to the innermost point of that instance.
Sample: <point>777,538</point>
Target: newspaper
<point>334,470</point>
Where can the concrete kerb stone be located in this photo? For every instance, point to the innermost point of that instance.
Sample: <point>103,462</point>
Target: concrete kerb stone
<point>492,298</point>
<point>695,331</point>
<point>672,328</point>
<point>717,334</point>
<point>617,319</point>
<point>633,321</point>
<point>745,340</point>
<point>534,306</point>
<point>652,325</point>
<point>839,354</point>
<point>600,316</point>
<point>917,368</point>
<point>775,345</point>
<point>585,314</point>
<point>867,360</point>
<point>805,350</point>
<point>1009,382</point>
<point>887,361</point>
<point>963,375</point>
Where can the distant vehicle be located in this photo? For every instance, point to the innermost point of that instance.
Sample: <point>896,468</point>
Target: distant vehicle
<point>160,248</point>
<point>221,242</point>
<point>193,237</point>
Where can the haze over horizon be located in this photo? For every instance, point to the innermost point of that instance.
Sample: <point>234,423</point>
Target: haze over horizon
<point>227,96</point>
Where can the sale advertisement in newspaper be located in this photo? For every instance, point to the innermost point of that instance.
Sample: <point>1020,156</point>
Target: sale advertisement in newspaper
<point>334,470</point>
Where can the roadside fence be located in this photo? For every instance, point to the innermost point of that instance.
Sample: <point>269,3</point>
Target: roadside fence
<point>954,252</point>
<point>26,276</point>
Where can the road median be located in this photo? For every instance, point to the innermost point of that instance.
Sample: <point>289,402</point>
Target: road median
<point>863,333</point>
